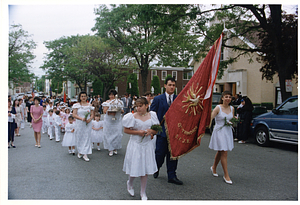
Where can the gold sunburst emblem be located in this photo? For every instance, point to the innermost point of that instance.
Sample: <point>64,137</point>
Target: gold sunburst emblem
<point>193,100</point>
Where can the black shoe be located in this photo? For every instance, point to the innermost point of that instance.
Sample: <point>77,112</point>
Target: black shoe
<point>175,181</point>
<point>155,175</point>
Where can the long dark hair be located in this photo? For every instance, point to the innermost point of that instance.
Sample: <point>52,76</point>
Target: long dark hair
<point>226,92</point>
<point>112,91</point>
<point>82,92</point>
<point>14,104</point>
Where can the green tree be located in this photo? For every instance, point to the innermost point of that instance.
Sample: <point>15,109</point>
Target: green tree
<point>40,83</point>
<point>56,86</point>
<point>20,56</point>
<point>156,84</point>
<point>275,32</point>
<point>97,87</point>
<point>141,32</point>
<point>134,90</point>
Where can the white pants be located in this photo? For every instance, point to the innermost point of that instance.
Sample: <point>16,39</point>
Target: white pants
<point>57,133</point>
<point>44,126</point>
<point>51,132</point>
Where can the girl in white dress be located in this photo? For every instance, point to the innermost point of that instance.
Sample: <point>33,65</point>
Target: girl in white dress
<point>83,112</point>
<point>97,131</point>
<point>69,137</point>
<point>140,154</point>
<point>222,136</point>
<point>50,124</point>
<point>44,118</point>
<point>57,125</point>
<point>112,128</point>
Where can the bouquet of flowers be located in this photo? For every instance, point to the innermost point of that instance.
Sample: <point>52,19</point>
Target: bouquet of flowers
<point>231,123</point>
<point>157,128</point>
<point>86,116</point>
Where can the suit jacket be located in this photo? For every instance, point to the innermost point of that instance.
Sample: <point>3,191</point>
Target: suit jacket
<point>129,102</point>
<point>160,106</point>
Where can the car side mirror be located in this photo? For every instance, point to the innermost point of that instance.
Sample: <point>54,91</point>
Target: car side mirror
<point>275,111</point>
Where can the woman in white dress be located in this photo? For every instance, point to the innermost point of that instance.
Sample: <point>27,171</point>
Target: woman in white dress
<point>140,154</point>
<point>222,136</point>
<point>112,128</point>
<point>84,113</point>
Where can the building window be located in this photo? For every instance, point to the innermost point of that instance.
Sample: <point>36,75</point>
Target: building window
<point>176,91</point>
<point>153,73</point>
<point>137,73</point>
<point>162,90</point>
<point>174,75</point>
<point>163,74</point>
<point>187,75</point>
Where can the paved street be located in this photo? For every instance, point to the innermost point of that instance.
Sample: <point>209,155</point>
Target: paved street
<point>51,173</point>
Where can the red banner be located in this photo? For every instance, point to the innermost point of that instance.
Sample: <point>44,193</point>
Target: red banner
<point>190,113</point>
<point>65,97</point>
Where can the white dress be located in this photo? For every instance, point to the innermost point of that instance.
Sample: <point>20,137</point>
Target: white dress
<point>69,137</point>
<point>97,135</point>
<point>112,129</point>
<point>83,130</point>
<point>222,137</point>
<point>140,153</point>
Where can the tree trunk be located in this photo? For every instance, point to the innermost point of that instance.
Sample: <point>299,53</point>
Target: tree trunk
<point>144,74</point>
<point>282,77</point>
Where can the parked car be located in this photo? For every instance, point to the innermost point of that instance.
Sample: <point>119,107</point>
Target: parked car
<point>280,125</point>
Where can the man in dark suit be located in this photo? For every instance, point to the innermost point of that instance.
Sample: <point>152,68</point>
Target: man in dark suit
<point>127,101</point>
<point>160,105</point>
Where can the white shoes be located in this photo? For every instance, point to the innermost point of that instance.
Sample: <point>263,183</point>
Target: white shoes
<point>241,142</point>
<point>70,151</point>
<point>144,197</point>
<point>227,182</point>
<point>115,152</point>
<point>79,155</point>
<point>73,151</point>
<point>86,158</point>
<point>214,174</point>
<point>111,153</point>
<point>98,148</point>
<point>130,189</point>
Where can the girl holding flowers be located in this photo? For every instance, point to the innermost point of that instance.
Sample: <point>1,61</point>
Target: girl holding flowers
<point>222,136</point>
<point>84,113</point>
<point>140,154</point>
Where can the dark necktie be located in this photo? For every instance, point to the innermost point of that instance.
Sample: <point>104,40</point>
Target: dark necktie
<point>170,101</point>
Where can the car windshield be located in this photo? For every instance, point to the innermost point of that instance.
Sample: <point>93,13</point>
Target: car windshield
<point>216,99</point>
<point>289,108</point>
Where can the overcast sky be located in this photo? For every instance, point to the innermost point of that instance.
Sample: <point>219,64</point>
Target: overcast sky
<point>50,22</point>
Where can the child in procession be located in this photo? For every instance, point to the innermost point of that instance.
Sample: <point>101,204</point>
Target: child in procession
<point>97,131</point>
<point>44,118</point>
<point>69,137</point>
<point>57,126</point>
<point>140,153</point>
<point>50,123</point>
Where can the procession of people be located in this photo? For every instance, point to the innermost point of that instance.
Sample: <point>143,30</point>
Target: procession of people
<point>147,149</point>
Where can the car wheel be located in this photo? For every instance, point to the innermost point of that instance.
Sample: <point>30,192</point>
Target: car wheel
<point>262,136</point>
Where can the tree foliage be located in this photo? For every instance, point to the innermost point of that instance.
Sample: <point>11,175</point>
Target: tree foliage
<point>134,90</point>
<point>141,31</point>
<point>156,84</point>
<point>40,83</point>
<point>83,59</point>
<point>273,33</point>
<point>20,55</point>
